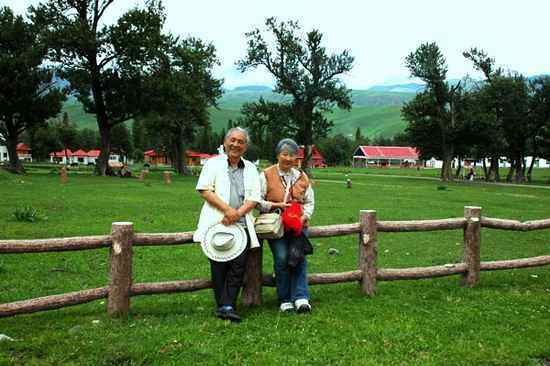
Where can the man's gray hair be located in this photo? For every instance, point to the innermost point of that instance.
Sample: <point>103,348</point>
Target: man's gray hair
<point>238,129</point>
<point>287,144</point>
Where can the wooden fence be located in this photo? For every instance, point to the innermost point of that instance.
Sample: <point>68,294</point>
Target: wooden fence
<point>122,239</point>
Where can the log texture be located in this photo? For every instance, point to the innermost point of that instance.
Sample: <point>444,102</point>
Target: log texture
<point>118,304</point>
<point>421,225</point>
<point>252,289</point>
<point>516,263</point>
<point>169,287</point>
<point>392,274</point>
<point>52,302</point>
<point>472,245</point>
<point>320,278</point>
<point>55,245</point>
<point>515,225</point>
<point>368,251</point>
<point>333,230</point>
<point>163,239</point>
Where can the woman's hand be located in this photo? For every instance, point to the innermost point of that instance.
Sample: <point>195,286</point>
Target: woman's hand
<point>280,205</point>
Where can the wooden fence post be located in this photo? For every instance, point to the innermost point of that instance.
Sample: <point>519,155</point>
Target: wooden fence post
<point>167,177</point>
<point>368,251</point>
<point>63,175</point>
<point>252,290</point>
<point>118,301</point>
<point>472,242</point>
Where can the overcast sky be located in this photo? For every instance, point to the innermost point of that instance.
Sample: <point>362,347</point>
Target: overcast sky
<point>379,33</point>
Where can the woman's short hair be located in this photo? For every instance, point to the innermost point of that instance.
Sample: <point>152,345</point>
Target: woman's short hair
<point>287,144</point>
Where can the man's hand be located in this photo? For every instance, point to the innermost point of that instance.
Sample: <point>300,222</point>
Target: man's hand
<point>230,216</point>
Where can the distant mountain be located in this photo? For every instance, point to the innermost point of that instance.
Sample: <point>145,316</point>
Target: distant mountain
<point>398,88</point>
<point>252,88</point>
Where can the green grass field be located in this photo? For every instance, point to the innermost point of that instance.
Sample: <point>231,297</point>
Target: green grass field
<point>503,321</point>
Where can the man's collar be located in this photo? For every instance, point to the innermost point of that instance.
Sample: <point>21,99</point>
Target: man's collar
<point>240,164</point>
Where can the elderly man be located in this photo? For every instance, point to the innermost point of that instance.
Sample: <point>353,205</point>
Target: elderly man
<point>230,185</point>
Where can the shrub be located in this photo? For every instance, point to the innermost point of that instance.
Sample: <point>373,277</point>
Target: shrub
<point>28,214</point>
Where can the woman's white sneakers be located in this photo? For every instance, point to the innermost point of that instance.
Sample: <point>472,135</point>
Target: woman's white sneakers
<point>286,307</point>
<point>302,306</point>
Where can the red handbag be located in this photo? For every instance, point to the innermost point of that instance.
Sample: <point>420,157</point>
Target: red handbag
<point>292,218</point>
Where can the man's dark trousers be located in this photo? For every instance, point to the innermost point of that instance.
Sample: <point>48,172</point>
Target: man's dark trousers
<point>227,278</point>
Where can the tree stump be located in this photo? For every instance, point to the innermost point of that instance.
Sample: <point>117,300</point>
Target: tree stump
<point>142,174</point>
<point>167,177</point>
<point>118,300</point>
<point>472,245</point>
<point>63,175</point>
<point>252,290</point>
<point>368,251</point>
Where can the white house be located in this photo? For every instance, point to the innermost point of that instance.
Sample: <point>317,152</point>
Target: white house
<point>3,153</point>
<point>23,152</point>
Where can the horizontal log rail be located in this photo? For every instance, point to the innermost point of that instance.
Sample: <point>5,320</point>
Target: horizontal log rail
<point>52,302</point>
<point>122,239</point>
<point>502,224</point>
<point>421,225</point>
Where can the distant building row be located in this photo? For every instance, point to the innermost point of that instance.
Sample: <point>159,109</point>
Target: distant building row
<point>386,156</point>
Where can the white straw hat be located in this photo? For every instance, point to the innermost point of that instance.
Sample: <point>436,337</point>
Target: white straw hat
<point>224,243</point>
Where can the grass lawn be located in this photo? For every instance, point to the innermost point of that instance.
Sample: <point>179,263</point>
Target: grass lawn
<point>503,321</point>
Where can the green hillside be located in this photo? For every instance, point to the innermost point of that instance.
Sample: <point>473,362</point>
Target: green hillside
<point>376,113</point>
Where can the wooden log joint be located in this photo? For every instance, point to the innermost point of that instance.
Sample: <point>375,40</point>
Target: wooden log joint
<point>118,301</point>
<point>368,251</point>
<point>472,246</point>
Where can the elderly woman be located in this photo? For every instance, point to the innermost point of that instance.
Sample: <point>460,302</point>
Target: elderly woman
<point>282,184</point>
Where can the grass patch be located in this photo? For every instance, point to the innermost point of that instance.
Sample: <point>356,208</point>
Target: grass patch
<point>505,320</point>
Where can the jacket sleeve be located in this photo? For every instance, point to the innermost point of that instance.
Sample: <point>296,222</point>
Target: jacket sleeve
<point>309,202</point>
<point>254,194</point>
<point>207,178</point>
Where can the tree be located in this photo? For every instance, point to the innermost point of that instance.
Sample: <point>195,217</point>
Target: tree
<point>88,139</point>
<point>303,70</point>
<point>121,140</point>
<point>67,134</point>
<point>43,141</point>
<point>433,113</point>
<point>268,123</point>
<point>104,64</point>
<point>28,95</point>
<point>181,90</point>
<point>139,138</point>
<point>337,150</point>
<point>539,119</point>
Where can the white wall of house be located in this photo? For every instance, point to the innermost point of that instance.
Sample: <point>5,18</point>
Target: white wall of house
<point>3,153</point>
<point>5,157</point>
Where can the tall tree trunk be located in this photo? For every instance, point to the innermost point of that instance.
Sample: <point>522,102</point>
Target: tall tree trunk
<point>485,173</point>
<point>178,161</point>
<point>458,168</point>
<point>14,165</point>
<point>105,151</point>
<point>308,141</point>
<point>511,171</point>
<point>530,171</point>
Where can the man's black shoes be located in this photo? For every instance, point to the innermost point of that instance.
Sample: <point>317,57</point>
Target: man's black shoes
<point>228,313</point>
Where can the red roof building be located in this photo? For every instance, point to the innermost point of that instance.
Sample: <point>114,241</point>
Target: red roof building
<point>385,156</point>
<point>23,152</point>
<point>317,160</point>
<point>192,158</point>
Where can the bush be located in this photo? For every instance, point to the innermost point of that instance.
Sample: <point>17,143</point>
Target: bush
<point>28,214</point>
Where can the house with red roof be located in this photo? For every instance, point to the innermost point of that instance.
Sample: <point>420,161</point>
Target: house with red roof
<point>82,157</point>
<point>317,160</point>
<point>385,156</point>
<point>192,158</point>
<point>23,152</point>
